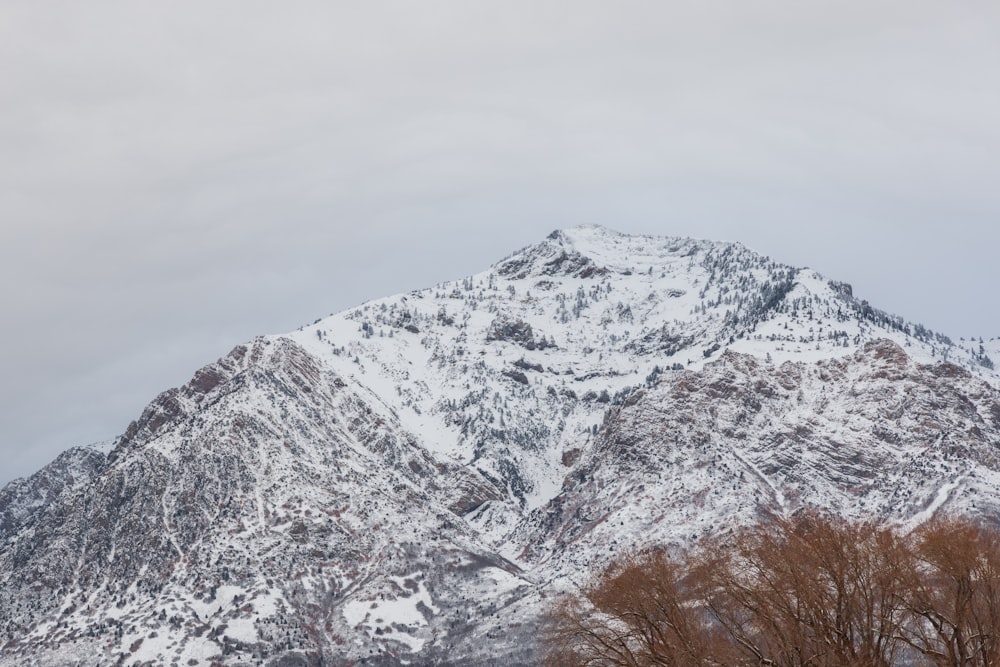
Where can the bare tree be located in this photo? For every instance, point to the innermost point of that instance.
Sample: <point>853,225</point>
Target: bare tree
<point>956,599</point>
<point>812,591</point>
<point>645,609</point>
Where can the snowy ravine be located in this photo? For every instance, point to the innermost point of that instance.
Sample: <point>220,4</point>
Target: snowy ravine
<point>409,481</point>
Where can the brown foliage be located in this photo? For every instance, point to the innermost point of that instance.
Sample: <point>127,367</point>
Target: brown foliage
<point>644,610</point>
<point>810,591</point>
<point>956,600</point>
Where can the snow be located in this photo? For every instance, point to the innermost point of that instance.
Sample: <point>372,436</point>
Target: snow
<point>598,323</point>
<point>359,439</point>
<point>397,616</point>
<point>242,629</point>
<point>927,514</point>
<point>779,497</point>
<point>102,446</point>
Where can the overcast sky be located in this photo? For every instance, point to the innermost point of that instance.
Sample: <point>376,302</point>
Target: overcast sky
<point>178,177</point>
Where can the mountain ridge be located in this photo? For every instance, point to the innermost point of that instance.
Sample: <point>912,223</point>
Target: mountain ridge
<point>407,480</point>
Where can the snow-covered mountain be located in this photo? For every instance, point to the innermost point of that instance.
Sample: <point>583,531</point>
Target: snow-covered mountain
<point>408,481</point>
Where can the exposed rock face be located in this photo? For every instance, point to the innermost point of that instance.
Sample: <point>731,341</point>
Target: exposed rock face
<point>550,259</point>
<point>258,519</point>
<point>20,499</point>
<point>869,436</point>
<point>517,332</point>
<point>408,481</point>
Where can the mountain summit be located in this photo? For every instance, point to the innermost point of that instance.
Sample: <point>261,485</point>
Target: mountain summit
<point>406,481</point>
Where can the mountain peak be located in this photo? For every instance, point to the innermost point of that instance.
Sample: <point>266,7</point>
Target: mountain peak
<point>591,232</point>
<point>407,480</point>
<point>587,251</point>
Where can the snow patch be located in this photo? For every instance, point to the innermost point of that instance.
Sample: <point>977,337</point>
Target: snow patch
<point>927,514</point>
<point>396,616</point>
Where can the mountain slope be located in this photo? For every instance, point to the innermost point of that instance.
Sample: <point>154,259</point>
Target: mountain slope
<point>407,480</point>
<point>872,436</point>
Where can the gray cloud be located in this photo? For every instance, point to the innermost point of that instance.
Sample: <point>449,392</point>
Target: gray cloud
<point>178,177</point>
